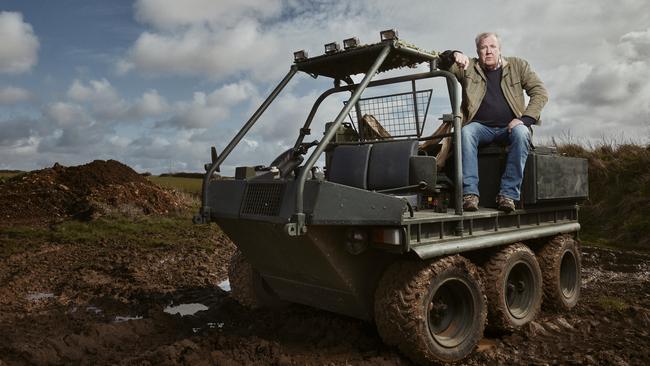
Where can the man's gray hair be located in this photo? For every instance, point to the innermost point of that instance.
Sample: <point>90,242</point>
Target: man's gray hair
<point>483,35</point>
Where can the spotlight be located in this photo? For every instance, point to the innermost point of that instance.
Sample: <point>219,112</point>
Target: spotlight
<point>350,43</point>
<point>300,56</point>
<point>388,35</point>
<point>332,48</point>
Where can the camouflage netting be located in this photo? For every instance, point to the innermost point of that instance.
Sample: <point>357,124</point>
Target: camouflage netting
<point>83,192</point>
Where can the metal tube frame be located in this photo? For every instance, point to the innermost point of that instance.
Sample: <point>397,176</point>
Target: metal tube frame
<point>455,95</point>
<point>482,242</point>
<point>297,226</point>
<point>204,214</point>
<point>393,80</point>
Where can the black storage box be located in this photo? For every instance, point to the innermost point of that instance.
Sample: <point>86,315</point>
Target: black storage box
<point>548,177</point>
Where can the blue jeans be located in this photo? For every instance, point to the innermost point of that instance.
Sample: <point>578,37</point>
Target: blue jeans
<point>475,134</point>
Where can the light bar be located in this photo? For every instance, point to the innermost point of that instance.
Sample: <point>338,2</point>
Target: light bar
<point>350,43</point>
<point>388,34</point>
<point>332,48</point>
<point>300,56</point>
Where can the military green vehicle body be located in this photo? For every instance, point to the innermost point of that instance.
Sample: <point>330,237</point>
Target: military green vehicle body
<point>326,242</point>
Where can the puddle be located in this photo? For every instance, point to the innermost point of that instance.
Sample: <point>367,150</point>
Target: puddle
<point>121,319</point>
<point>225,285</point>
<point>210,325</point>
<point>93,309</point>
<point>35,296</point>
<point>185,309</point>
<point>215,325</point>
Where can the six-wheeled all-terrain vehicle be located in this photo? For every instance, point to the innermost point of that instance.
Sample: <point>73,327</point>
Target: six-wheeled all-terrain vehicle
<point>379,233</point>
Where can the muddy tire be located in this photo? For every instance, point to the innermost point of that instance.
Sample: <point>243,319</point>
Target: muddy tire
<point>561,265</point>
<point>432,311</point>
<point>248,287</point>
<point>513,286</point>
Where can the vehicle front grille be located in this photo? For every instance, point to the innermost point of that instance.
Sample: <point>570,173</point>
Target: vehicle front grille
<point>262,199</point>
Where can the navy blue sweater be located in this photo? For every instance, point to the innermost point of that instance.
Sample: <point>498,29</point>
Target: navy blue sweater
<point>494,110</point>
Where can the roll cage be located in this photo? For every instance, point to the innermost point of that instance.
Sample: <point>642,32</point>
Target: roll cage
<point>340,65</point>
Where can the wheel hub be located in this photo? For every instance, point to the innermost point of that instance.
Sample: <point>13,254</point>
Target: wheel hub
<point>568,275</point>
<point>451,313</point>
<point>520,290</point>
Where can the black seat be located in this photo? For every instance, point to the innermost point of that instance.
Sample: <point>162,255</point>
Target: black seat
<point>396,164</point>
<point>349,165</point>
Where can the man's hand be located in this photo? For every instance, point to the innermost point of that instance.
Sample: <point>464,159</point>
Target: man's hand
<point>514,123</point>
<point>461,60</point>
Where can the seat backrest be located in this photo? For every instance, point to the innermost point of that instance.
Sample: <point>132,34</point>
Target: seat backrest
<point>389,164</point>
<point>349,165</point>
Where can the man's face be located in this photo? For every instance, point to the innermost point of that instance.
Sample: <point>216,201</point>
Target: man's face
<point>489,52</point>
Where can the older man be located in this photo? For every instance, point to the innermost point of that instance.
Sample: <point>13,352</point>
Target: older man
<point>494,110</point>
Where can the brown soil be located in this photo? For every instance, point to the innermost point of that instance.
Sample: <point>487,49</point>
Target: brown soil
<point>71,304</point>
<point>83,192</point>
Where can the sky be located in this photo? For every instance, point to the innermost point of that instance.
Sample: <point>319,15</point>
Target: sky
<point>155,83</point>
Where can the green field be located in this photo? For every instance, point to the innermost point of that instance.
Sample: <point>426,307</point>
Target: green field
<point>187,185</point>
<point>6,175</point>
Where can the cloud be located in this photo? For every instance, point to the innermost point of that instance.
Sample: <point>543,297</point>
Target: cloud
<point>106,104</point>
<point>635,46</point>
<point>208,110</point>
<point>19,50</point>
<point>150,104</point>
<point>15,132</point>
<point>66,114</point>
<point>12,95</point>
<point>100,91</point>
<point>218,60</point>
<point>200,51</point>
<point>606,98</point>
<point>170,14</point>
<point>248,38</point>
<point>204,38</point>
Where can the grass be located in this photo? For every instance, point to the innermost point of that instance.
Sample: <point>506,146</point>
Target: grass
<point>617,213</point>
<point>610,303</point>
<point>153,231</point>
<point>6,175</point>
<point>168,231</point>
<point>187,185</point>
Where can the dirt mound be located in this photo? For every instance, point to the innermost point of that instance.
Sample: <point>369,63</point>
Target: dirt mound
<point>82,192</point>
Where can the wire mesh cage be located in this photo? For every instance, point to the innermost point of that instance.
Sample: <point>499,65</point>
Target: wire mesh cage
<point>390,116</point>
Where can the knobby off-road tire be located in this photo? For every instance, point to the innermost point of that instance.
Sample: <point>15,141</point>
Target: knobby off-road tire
<point>248,287</point>
<point>560,262</point>
<point>513,286</point>
<point>431,310</point>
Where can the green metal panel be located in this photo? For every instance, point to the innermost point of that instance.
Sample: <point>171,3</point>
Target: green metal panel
<point>313,269</point>
<point>561,177</point>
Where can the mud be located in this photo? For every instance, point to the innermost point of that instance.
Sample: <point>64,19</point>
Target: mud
<point>82,192</point>
<point>64,304</point>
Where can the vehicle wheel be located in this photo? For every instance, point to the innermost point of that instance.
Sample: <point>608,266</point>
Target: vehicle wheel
<point>560,264</point>
<point>248,287</point>
<point>513,285</point>
<point>432,311</point>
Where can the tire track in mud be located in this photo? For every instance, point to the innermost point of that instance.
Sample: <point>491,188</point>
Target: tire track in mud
<point>68,304</point>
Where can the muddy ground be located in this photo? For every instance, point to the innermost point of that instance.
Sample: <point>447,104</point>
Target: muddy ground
<point>117,303</point>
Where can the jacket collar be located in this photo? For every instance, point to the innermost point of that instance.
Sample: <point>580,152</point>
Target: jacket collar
<point>504,65</point>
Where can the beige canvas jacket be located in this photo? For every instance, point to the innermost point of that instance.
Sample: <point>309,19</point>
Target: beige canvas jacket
<point>517,77</point>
